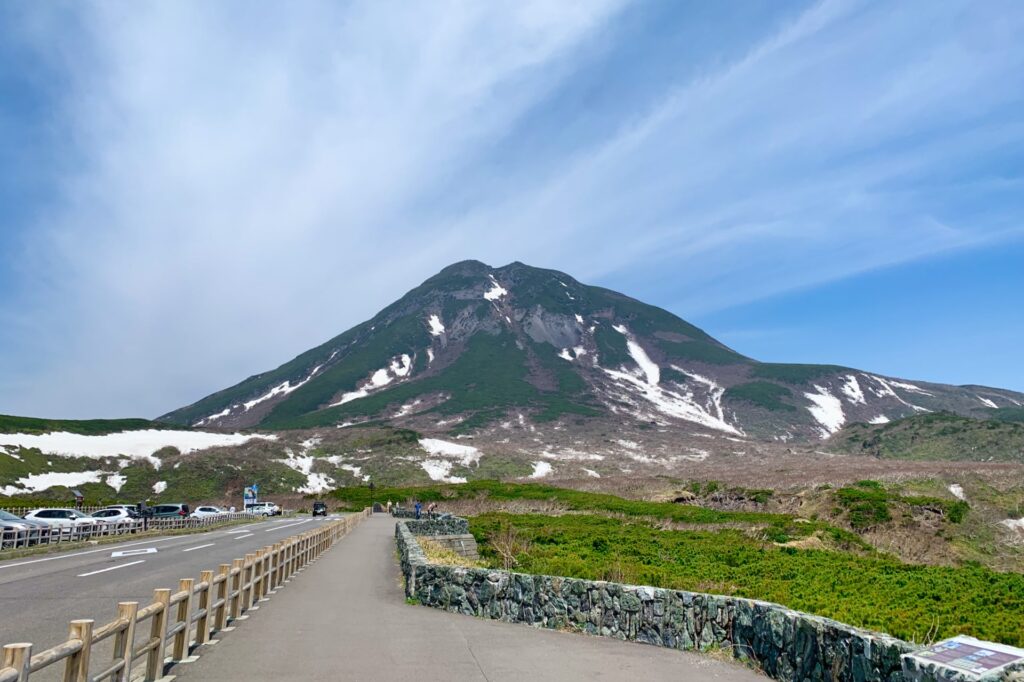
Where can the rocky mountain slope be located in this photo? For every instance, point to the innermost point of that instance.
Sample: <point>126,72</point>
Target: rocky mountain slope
<point>475,346</point>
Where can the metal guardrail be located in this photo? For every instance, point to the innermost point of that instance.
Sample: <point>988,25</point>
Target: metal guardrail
<point>13,539</point>
<point>179,621</point>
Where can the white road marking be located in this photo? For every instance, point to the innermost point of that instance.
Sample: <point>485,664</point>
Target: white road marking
<point>112,568</point>
<point>240,530</point>
<point>288,526</point>
<point>91,551</point>
<point>192,549</point>
<point>133,552</point>
<point>242,537</point>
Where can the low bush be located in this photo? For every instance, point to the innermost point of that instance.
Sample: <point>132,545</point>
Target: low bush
<point>876,592</point>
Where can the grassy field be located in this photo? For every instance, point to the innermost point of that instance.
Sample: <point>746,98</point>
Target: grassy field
<point>89,427</point>
<point>874,591</point>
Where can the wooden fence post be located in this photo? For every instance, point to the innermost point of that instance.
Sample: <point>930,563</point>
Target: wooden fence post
<point>76,669</point>
<point>184,617</point>
<point>203,624</point>
<point>19,657</point>
<point>221,620</point>
<point>248,585</point>
<point>158,632</point>
<point>236,587</point>
<point>124,640</point>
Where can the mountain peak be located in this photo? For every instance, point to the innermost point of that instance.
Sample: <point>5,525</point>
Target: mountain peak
<point>475,346</point>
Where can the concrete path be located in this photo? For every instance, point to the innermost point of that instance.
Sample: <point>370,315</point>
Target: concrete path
<point>345,618</point>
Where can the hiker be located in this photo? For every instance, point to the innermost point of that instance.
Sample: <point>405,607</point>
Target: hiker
<point>419,507</point>
<point>431,508</point>
<point>389,506</point>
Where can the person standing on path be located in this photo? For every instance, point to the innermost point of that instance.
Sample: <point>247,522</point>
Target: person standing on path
<point>419,508</point>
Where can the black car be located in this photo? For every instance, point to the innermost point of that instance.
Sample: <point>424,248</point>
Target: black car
<point>319,509</point>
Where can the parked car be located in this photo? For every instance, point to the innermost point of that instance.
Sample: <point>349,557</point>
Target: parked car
<point>37,531</point>
<point>132,509</point>
<point>64,518</point>
<point>170,511</point>
<point>116,515</point>
<point>319,509</point>
<point>18,532</point>
<point>264,508</point>
<point>207,511</point>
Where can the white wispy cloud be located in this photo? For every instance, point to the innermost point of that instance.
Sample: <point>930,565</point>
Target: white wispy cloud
<point>248,182</point>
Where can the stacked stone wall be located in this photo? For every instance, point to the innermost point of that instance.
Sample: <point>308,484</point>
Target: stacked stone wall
<point>785,644</point>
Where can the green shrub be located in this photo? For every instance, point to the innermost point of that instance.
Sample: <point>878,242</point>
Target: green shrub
<point>876,592</point>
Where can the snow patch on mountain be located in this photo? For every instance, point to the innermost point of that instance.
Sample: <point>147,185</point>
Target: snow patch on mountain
<point>400,366</point>
<point>986,402</point>
<point>852,390</point>
<point>569,455</point>
<point>680,405</point>
<point>467,455</point>
<point>957,490</point>
<point>436,327</point>
<point>34,483</point>
<point>1014,524</point>
<point>355,471</point>
<point>886,390</point>
<point>827,410</point>
<point>639,355</point>
<point>880,419</point>
<point>576,354</point>
<point>909,387</point>
<point>541,469</point>
<point>134,444</point>
<point>213,417</point>
<point>283,388</point>
<point>579,318</point>
<point>440,470</point>
<point>159,487</point>
<point>496,291</point>
<point>116,481</point>
<point>591,473</point>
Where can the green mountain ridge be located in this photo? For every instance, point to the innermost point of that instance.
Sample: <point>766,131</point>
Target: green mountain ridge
<point>474,345</point>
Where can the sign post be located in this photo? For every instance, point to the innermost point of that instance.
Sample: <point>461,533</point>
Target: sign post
<point>250,495</point>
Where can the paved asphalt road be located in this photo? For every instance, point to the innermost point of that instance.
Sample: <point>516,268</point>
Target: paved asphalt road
<point>39,595</point>
<point>345,618</point>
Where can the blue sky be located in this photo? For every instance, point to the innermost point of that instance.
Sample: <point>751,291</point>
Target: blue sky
<point>195,192</point>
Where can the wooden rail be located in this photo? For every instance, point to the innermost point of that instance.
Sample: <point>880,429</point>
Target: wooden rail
<point>180,622</point>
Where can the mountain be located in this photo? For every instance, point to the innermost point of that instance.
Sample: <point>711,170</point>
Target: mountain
<point>475,348</point>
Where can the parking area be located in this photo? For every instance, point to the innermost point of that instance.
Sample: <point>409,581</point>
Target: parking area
<point>24,527</point>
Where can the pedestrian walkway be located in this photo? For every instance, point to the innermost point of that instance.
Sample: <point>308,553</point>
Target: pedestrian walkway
<point>345,618</point>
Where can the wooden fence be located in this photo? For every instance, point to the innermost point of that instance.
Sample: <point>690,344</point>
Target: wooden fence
<point>179,622</point>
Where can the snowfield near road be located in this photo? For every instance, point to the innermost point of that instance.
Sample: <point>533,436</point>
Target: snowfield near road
<point>36,482</point>
<point>135,444</point>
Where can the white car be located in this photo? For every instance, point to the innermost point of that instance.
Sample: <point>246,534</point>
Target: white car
<point>64,518</point>
<point>207,511</point>
<point>264,508</point>
<point>114,515</point>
